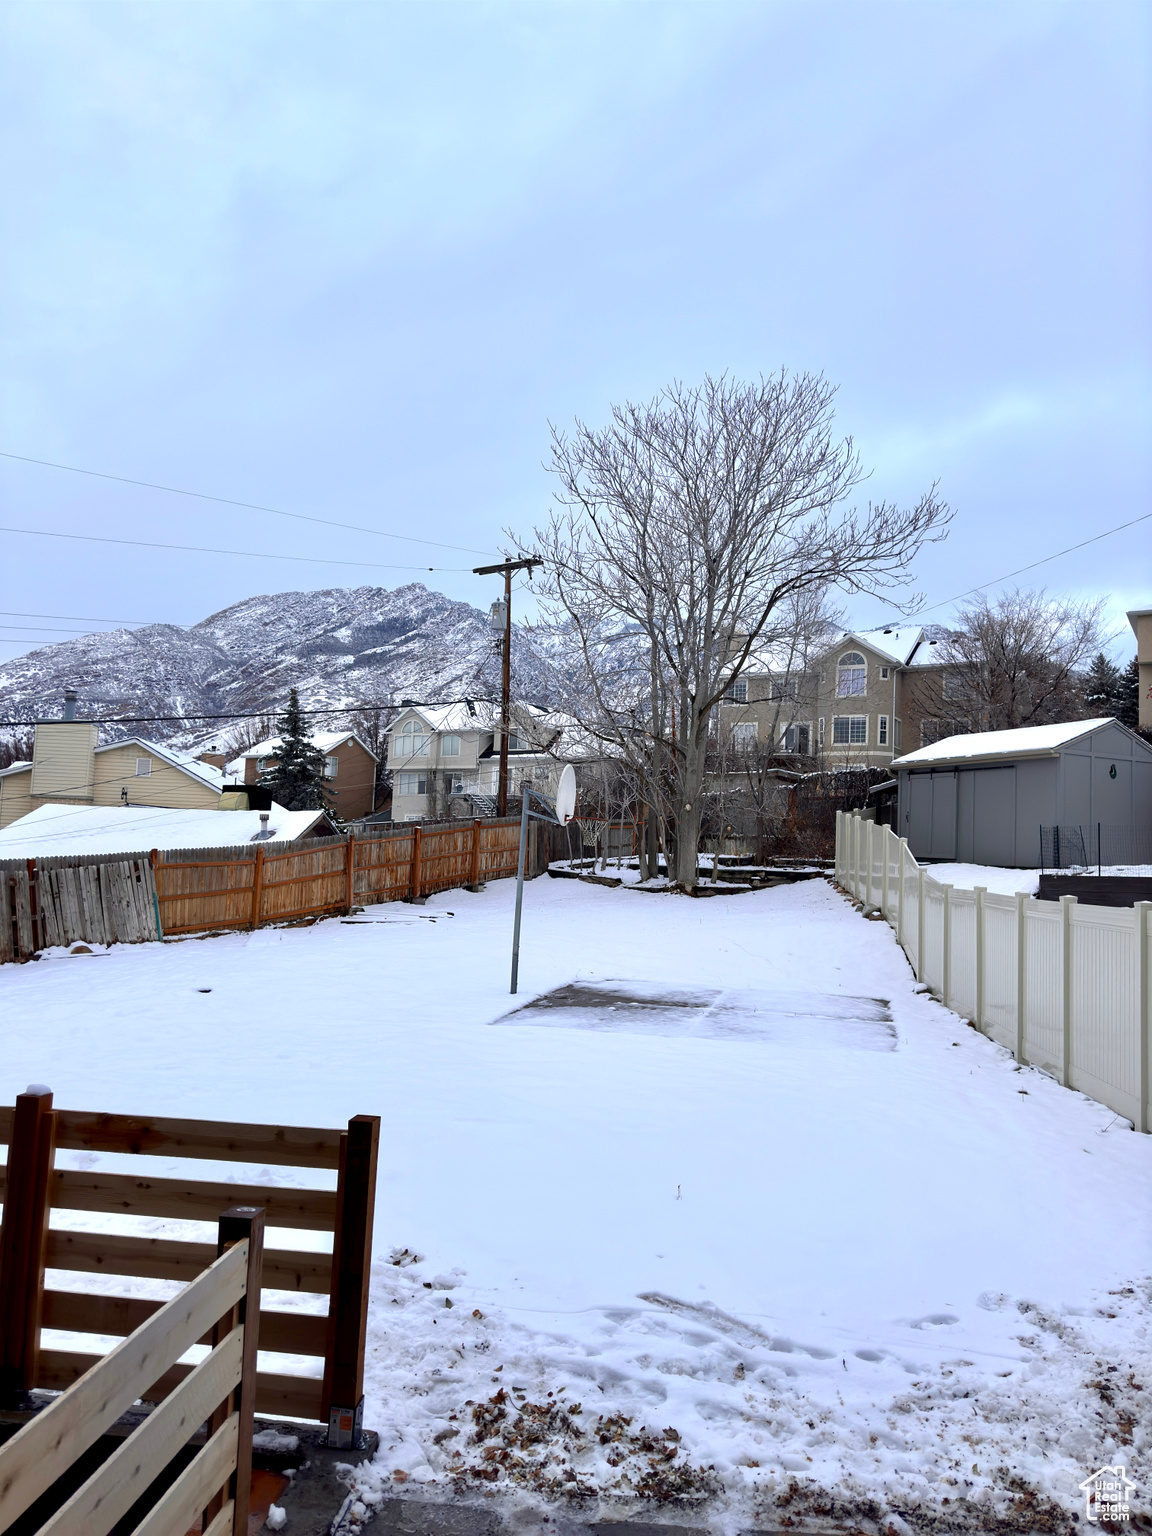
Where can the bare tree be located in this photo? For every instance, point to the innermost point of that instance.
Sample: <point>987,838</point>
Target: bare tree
<point>1019,659</point>
<point>693,519</point>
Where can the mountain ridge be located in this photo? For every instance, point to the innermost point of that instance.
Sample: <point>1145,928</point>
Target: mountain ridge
<point>342,648</point>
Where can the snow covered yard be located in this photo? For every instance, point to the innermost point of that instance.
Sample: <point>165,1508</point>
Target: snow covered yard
<point>808,1243</point>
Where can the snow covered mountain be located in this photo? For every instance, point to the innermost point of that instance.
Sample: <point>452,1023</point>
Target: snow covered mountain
<point>340,647</point>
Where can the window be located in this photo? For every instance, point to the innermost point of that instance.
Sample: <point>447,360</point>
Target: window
<point>882,731</point>
<point>331,767</point>
<point>798,738</point>
<point>884,672</point>
<point>143,767</point>
<point>953,685</point>
<point>738,692</point>
<point>744,735</point>
<point>849,730</point>
<point>851,675</point>
<point>515,741</point>
<point>820,731</point>
<point>932,731</point>
<point>413,739</point>
<point>783,688</point>
<point>897,733</point>
<point>411,783</point>
<point>449,746</point>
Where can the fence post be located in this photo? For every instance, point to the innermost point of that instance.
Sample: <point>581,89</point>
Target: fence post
<point>946,948</point>
<point>921,945</point>
<point>1067,903</point>
<point>1142,910</point>
<point>1020,976</point>
<point>902,850</point>
<point>257,886</point>
<point>154,862</point>
<point>236,1224</point>
<point>980,892</point>
<point>474,872</point>
<point>23,1237</point>
<point>417,841</point>
<point>885,846</point>
<point>350,871</point>
<point>869,855</point>
<point>343,1397</point>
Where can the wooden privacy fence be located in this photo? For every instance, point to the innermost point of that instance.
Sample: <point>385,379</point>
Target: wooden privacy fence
<point>1066,987</point>
<point>253,884</point>
<point>44,902</point>
<point>126,898</point>
<point>34,1130</point>
<point>213,1488</point>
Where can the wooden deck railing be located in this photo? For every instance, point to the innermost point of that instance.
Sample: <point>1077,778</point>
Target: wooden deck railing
<point>213,1488</point>
<point>34,1130</point>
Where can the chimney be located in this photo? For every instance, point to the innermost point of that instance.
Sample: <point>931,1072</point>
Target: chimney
<point>69,704</point>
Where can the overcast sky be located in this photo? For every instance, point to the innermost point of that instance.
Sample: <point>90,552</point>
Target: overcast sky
<point>348,260</point>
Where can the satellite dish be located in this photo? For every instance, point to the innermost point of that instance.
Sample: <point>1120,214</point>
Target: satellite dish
<point>566,795</point>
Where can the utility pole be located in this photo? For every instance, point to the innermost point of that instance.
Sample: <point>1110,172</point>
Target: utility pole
<point>507,569</point>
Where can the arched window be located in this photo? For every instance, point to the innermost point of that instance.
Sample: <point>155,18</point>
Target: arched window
<point>413,739</point>
<point>851,675</point>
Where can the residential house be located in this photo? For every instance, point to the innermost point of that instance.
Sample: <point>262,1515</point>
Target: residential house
<point>860,701</point>
<point>68,767</point>
<point>445,761</point>
<point>349,770</point>
<point>1141,622</point>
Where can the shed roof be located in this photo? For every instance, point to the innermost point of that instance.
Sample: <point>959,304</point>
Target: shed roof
<point>1026,741</point>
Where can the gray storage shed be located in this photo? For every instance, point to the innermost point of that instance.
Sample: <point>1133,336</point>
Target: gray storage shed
<point>982,798</point>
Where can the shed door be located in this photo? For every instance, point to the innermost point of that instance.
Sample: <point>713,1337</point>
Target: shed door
<point>917,826</point>
<point>994,816</point>
<point>943,840</point>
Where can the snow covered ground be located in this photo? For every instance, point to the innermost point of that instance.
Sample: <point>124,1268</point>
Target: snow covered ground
<point>809,1242</point>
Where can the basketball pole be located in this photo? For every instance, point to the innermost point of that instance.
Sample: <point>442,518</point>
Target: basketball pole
<point>524,792</point>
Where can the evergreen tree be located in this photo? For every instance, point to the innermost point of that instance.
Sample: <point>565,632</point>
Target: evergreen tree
<point>1102,686</point>
<point>1128,695</point>
<point>296,777</point>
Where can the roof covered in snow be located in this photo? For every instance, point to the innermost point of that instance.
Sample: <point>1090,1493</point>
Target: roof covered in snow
<point>1027,741</point>
<point>897,643</point>
<point>53,830</point>
<point>323,741</point>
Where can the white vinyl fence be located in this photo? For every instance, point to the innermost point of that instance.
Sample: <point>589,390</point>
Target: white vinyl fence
<point>1066,987</point>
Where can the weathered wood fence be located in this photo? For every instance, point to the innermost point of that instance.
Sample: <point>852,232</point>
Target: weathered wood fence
<point>210,1489</point>
<point>44,902</point>
<point>1065,987</point>
<point>126,898</point>
<point>28,1245</point>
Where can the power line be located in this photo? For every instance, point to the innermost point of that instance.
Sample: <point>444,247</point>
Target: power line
<point>260,714</point>
<point>249,506</point>
<point>1096,537</point>
<point>247,554</point>
<point>80,618</point>
<point>40,629</point>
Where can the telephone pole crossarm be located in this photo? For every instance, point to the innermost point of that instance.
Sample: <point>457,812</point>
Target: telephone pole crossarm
<point>507,569</point>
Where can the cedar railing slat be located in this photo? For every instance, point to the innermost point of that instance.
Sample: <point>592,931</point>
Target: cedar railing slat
<point>221,1140</point>
<point>161,1258</point>
<point>285,1333</point>
<point>293,1397</point>
<point>129,1194</point>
